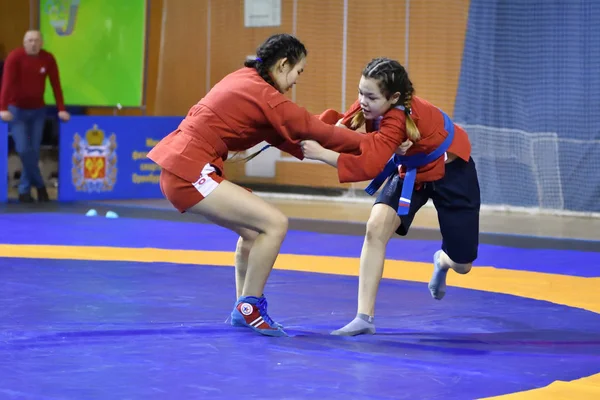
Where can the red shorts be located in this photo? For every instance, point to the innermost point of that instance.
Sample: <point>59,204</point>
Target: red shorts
<point>183,194</point>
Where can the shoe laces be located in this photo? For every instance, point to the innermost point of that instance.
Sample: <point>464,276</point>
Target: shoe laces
<point>262,308</point>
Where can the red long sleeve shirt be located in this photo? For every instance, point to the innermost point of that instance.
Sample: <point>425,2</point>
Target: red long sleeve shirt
<point>24,80</point>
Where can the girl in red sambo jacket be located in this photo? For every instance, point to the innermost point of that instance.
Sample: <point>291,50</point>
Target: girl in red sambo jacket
<point>245,108</point>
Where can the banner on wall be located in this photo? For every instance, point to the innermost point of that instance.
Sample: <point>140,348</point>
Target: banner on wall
<point>104,158</point>
<point>3,162</point>
<point>99,46</point>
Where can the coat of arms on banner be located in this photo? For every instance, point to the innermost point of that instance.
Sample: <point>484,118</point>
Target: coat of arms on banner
<point>94,161</point>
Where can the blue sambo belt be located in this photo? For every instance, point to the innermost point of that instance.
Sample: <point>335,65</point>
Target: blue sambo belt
<point>411,163</point>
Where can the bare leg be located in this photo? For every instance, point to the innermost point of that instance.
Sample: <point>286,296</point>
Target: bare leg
<point>242,252</point>
<point>235,208</point>
<point>382,224</point>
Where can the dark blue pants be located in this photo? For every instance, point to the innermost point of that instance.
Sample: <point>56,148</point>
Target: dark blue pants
<point>457,200</point>
<point>27,129</point>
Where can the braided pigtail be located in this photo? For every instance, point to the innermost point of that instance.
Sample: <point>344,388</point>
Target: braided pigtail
<point>411,128</point>
<point>358,120</point>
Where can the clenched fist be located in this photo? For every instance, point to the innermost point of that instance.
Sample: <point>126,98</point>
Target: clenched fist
<point>311,149</point>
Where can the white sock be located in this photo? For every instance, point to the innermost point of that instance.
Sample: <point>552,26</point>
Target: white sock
<point>361,324</point>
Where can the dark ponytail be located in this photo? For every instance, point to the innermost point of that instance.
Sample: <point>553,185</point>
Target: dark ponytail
<point>274,49</point>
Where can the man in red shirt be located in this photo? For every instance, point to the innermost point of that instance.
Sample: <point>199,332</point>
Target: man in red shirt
<point>22,104</point>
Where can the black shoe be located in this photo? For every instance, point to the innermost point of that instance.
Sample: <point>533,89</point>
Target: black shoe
<point>25,198</point>
<point>42,195</point>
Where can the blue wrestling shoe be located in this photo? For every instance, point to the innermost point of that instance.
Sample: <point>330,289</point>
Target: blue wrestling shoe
<point>251,312</point>
<point>437,284</point>
<point>234,323</point>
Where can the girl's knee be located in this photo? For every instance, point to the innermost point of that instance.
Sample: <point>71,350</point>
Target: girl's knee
<point>459,268</point>
<point>462,268</point>
<point>278,224</point>
<point>378,229</point>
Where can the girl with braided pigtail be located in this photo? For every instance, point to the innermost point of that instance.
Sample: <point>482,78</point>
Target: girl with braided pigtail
<point>423,155</point>
<point>245,108</point>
